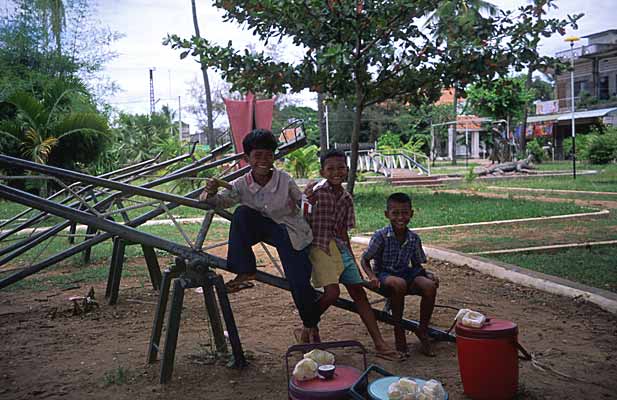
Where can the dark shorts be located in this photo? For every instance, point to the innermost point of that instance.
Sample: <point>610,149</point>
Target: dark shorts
<point>408,274</point>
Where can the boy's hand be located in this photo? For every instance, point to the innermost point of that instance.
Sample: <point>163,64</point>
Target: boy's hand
<point>373,281</point>
<point>433,277</point>
<point>308,190</point>
<point>212,187</point>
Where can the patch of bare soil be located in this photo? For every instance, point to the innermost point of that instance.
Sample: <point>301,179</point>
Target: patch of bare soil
<point>48,353</point>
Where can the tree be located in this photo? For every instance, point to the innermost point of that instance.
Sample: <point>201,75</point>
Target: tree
<point>503,99</point>
<point>27,59</point>
<point>53,18</point>
<point>362,53</point>
<point>456,23</point>
<point>208,96</point>
<point>204,109</point>
<point>533,26</point>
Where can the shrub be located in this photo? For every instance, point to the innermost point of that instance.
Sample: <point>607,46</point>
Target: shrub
<point>582,145</point>
<point>534,148</point>
<point>389,141</point>
<point>602,149</point>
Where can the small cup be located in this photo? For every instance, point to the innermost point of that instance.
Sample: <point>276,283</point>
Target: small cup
<point>327,371</point>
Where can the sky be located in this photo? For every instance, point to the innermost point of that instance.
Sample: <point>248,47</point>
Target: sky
<point>145,23</point>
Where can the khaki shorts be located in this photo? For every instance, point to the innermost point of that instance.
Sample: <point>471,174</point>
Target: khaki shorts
<point>334,268</point>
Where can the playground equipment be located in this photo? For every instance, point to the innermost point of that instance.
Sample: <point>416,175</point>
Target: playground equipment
<point>96,202</point>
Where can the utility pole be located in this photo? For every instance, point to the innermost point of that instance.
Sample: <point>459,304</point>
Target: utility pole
<point>180,118</point>
<point>152,90</point>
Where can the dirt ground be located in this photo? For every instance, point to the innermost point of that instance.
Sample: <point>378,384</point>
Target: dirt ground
<point>47,353</point>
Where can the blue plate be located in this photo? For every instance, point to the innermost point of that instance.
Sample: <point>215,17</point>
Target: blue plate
<point>378,389</point>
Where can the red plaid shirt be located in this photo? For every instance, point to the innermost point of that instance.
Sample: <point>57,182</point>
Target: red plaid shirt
<point>332,216</point>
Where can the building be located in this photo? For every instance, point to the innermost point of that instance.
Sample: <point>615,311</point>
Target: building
<point>595,92</point>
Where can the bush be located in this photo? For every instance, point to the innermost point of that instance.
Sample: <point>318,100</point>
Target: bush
<point>582,145</point>
<point>535,148</point>
<point>389,141</point>
<point>602,149</point>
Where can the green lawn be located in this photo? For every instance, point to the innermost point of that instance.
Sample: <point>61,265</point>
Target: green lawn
<point>604,181</point>
<point>448,209</point>
<point>595,266</point>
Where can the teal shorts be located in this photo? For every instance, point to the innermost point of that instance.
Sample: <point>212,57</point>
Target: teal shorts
<point>350,275</point>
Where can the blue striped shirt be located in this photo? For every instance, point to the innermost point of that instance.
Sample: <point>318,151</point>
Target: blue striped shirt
<point>389,255</point>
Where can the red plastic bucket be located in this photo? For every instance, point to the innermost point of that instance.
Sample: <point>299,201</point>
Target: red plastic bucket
<point>488,359</point>
<point>333,389</point>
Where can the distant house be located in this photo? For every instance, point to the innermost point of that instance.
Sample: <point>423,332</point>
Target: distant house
<point>595,92</point>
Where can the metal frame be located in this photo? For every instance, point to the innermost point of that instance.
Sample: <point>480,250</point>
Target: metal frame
<point>193,267</point>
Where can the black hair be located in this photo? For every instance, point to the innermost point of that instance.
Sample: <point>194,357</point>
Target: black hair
<point>331,154</point>
<point>398,198</point>
<point>261,139</point>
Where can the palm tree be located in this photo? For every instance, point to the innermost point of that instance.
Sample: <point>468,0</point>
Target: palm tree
<point>452,22</point>
<point>40,125</point>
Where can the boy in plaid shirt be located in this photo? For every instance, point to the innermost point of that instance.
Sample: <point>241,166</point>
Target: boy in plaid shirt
<point>398,256</point>
<point>333,262</point>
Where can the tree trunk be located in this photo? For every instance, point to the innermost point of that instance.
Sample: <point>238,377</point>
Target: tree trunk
<point>453,144</point>
<point>355,137</point>
<point>523,140</point>
<point>321,120</point>
<point>204,72</point>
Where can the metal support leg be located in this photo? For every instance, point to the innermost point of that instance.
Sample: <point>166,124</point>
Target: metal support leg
<point>72,230</point>
<point>153,266</point>
<point>203,230</point>
<point>215,319</point>
<point>173,327</point>
<point>88,251</point>
<point>232,330</point>
<point>118,260</point>
<point>159,315</point>
<point>112,268</point>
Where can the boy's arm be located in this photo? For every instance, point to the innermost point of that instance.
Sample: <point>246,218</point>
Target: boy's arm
<point>227,198</point>
<point>375,247</point>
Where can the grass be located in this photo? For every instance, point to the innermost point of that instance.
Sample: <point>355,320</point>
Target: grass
<point>604,181</point>
<point>434,209</point>
<point>593,266</point>
<point>73,270</point>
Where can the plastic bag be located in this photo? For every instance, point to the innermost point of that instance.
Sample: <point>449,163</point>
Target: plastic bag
<point>305,369</point>
<point>403,389</point>
<point>395,392</point>
<point>432,390</point>
<point>320,357</point>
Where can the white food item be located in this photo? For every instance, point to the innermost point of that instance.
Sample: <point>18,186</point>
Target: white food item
<point>470,318</point>
<point>461,313</point>
<point>408,396</point>
<point>408,386</point>
<point>473,319</point>
<point>432,390</point>
<point>394,391</point>
<point>320,357</point>
<point>305,369</point>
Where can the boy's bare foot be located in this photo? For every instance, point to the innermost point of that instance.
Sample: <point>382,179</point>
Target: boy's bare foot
<point>425,344</point>
<point>302,335</point>
<point>389,354</point>
<point>241,281</point>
